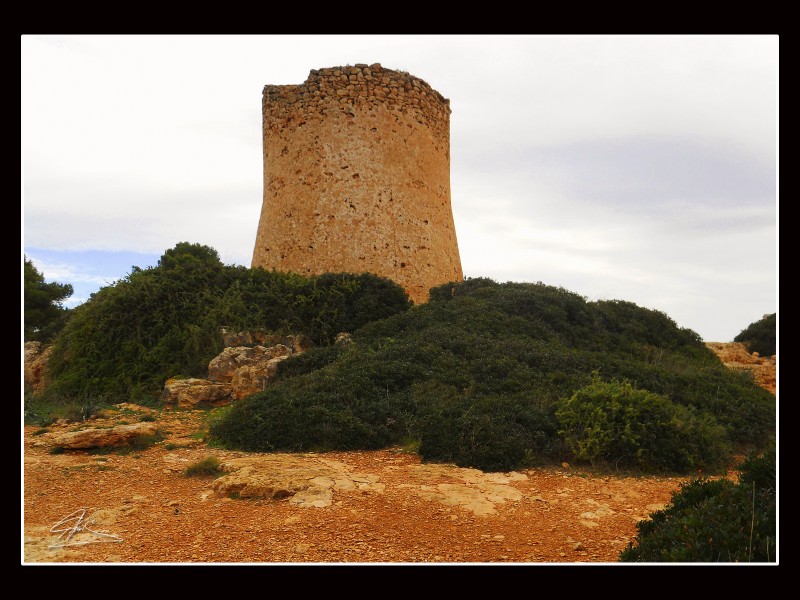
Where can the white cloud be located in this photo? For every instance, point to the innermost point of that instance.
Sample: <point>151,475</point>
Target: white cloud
<point>638,166</point>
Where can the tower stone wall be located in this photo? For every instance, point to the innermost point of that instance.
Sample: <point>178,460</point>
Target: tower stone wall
<point>357,178</point>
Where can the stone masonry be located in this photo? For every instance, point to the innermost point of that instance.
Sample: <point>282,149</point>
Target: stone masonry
<point>357,178</point>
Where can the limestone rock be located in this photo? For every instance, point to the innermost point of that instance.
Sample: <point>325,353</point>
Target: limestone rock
<point>189,393</point>
<point>223,367</point>
<point>120,435</point>
<point>470,489</point>
<point>307,481</point>
<point>36,356</point>
<point>238,371</point>
<point>251,379</point>
<point>344,339</point>
<point>734,355</point>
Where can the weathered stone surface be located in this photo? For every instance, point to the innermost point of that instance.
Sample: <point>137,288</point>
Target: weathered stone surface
<point>357,179</point>
<point>734,355</point>
<point>236,372</point>
<point>599,511</point>
<point>307,481</point>
<point>251,379</point>
<point>190,393</point>
<point>120,435</point>
<point>344,340</point>
<point>223,367</point>
<point>35,358</point>
<point>480,494</point>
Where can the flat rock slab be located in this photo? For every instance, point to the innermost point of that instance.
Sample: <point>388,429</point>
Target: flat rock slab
<point>120,435</point>
<point>307,481</point>
<point>470,489</point>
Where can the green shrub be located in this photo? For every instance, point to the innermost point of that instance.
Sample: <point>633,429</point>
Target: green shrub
<point>487,433</point>
<point>207,467</point>
<point>476,375</point>
<point>130,337</point>
<point>337,415</point>
<point>615,423</point>
<point>715,521</point>
<point>143,442</point>
<point>760,336</point>
<point>308,361</point>
<point>46,408</point>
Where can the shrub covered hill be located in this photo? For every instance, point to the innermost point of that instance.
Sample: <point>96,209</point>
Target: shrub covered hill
<point>494,376</point>
<point>500,376</point>
<point>760,336</point>
<point>164,321</point>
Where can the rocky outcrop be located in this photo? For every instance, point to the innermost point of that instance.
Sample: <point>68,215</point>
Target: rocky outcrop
<point>307,481</point>
<point>251,379</point>
<point>193,393</point>
<point>35,358</point>
<point>470,489</point>
<point>121,435</point>
<point>223,368</point>
<point>238,371</point>
<point>344,339</point>
<point>734,355</point>
<point>312,481</point>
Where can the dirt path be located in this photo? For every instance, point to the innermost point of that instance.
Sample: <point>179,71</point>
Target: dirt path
<point>361,507</point>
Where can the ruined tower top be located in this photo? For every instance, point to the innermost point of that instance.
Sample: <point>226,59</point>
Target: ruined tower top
<point>357,178</point>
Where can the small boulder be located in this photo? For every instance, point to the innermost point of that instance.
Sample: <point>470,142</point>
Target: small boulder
<point>223,367</point>
<point>251,379</point>
<point>189,393</point>
<point>121,435</point>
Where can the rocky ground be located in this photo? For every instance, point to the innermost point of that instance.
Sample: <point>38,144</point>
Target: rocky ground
<point>138,506</point>
<point>342,507</point>
<point>734,355</point>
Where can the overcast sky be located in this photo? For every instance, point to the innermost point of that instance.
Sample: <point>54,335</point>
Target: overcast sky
<point>640,168</point>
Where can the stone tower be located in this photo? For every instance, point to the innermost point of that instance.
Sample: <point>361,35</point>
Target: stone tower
<point>357,178</point>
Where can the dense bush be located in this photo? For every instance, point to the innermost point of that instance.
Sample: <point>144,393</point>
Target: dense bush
<point>760,336</point>
<point>128,338</point>
<point>613,422</point>
<point>715,521</point>
<point>488,433</point>
<point>476,376</point>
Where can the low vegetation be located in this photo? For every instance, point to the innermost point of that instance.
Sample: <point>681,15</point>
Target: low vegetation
<point>46,409</point>
<point>486,375</point>
<point>499,376</point>
<point>715,520</point>
<point>206,467</point>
